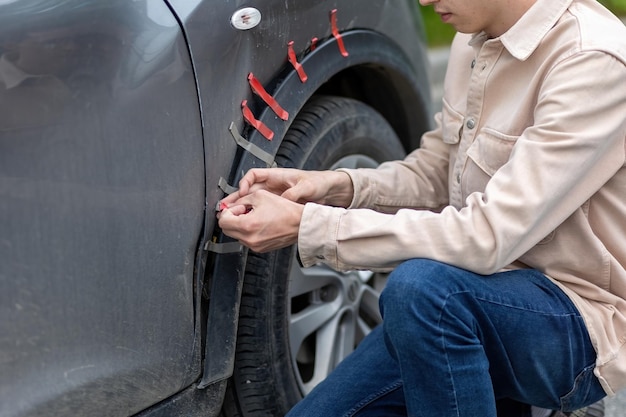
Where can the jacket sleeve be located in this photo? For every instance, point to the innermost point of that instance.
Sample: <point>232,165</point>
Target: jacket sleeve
<point>575,145</point>
<point>418,181</point>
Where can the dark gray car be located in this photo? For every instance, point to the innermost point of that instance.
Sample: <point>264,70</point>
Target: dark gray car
<point>122,124</point>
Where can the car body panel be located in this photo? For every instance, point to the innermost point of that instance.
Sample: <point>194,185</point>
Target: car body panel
<point>366,48</point>
<point>263,50</point>
<point>101,207</point>
<point>114,137</point>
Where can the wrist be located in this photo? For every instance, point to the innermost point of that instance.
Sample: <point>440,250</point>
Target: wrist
<point>340,190</point>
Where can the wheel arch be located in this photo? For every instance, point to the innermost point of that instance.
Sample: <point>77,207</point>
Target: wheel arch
<point>387,91</point>
<point>377,72</point>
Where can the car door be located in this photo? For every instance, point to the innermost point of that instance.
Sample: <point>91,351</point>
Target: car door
<point>102,190</point>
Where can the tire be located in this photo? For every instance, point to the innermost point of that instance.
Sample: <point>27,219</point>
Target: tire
<point>297,324</point>
<point>594,410</point>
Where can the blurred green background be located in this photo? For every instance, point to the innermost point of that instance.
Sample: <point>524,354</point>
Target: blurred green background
<point>440,34</point>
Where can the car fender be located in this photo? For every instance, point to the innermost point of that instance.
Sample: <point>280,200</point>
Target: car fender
<point>393,85</point>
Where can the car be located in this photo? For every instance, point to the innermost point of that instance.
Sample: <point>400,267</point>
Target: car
<point>122,125</point>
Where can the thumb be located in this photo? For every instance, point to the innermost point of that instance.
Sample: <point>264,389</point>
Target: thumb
<point>238,209</point>
<point>297,193</point>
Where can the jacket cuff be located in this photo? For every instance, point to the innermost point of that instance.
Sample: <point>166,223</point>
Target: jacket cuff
<point>362,187</point>
<point>317,236</point>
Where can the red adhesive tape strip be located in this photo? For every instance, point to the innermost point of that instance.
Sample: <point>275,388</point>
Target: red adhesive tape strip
<point>291,57</point>
<point>336,34</point>
<point>258,89</point>
<point>257,124</point>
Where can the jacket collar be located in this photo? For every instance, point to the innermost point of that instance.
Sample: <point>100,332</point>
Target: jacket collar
<point>523,38</point>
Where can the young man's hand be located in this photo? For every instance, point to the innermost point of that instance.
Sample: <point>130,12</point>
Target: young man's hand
<point>323,187</point>
<point>265,213</point>
<point>262,221</point>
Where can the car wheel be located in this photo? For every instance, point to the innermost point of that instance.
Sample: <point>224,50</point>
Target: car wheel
<point>297,324</point>
<point>594,410</point>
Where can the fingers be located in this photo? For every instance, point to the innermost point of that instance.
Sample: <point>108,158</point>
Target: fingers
<point>259,177</point>
<point>262,221</point>
<point>298,192</point>
<point>274,180</point>
<point>238,210</point>
<point>248,181</point>
<point>323,187</point>
<point>229,200</point>
<point>233,222</point>
<point>253,177</point>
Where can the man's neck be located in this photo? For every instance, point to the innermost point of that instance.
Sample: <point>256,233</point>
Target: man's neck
<point>512,11</point>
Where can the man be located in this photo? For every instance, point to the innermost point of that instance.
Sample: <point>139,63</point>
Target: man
<point>506,229</point>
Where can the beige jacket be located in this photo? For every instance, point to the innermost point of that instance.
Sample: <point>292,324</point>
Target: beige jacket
<point>526,169</point>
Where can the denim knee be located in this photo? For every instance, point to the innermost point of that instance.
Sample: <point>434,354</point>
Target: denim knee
<point>417,276</point>
<point>415,281</point>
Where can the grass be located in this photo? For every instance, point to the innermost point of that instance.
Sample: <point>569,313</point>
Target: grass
<point>441,34</point>
<point>437,32</point>
<point>616,6</point>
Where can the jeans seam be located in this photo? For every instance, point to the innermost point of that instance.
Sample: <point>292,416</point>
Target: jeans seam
<point>443,345</point>
<point>367,400</point>
<point>546,313</point>
<point>484,298</point>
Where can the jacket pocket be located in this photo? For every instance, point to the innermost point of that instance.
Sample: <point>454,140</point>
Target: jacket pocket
<point>491,149</point>
<point>452,124</point>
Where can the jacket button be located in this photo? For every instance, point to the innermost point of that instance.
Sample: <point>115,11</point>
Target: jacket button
<point>471,123</point>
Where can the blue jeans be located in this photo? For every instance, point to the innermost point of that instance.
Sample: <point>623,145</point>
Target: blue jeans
<point>454,343</point>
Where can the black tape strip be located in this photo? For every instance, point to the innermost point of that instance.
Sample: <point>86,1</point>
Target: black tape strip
<point>252,148</point>
<point>222,248</point>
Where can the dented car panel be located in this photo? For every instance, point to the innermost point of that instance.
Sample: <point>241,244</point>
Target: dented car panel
<point>101,207</point>
<point>122,124</point>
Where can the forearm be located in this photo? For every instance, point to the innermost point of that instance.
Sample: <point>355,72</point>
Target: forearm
<point>340,190</point>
